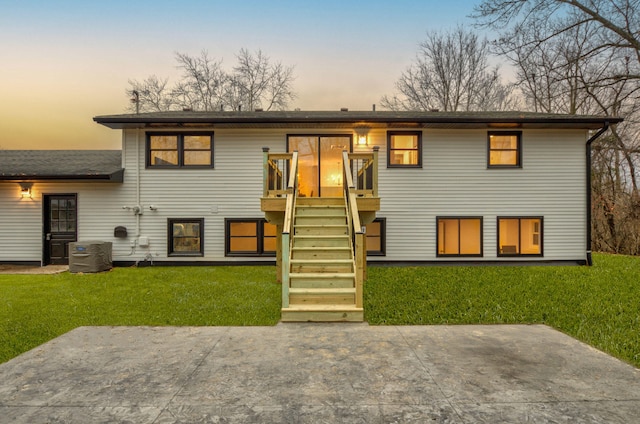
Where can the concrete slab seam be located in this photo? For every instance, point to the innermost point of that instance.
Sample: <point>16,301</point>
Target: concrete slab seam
<point>191,374</point>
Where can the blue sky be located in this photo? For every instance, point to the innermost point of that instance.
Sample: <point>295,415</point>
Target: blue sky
<point>64,62</point>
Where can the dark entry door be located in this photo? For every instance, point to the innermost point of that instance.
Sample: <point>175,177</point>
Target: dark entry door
<point>60,227</point>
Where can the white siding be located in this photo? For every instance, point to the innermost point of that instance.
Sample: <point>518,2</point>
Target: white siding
<point>21,223</point>
<point>454,181</point>
<point>232,189</point>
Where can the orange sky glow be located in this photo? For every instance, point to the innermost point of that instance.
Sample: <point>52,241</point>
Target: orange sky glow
<point>67,61</point>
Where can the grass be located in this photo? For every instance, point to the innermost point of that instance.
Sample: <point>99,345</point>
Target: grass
<point>599,305</point>
<point>38,308</point>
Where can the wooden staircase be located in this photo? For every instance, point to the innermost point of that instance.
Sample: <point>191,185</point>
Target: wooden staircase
<point>321,256</point>
<point>322,277</point>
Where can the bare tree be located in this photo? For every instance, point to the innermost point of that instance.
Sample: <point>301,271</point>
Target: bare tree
<point>204,85</point>
<point>202,82</point>
<point>256,83</point>
<point>451,73</point>
<point>583,57</point>
<point>617,21</point>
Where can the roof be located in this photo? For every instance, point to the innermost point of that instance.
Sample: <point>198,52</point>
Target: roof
<point>25,165</point>
<point>341,119</point>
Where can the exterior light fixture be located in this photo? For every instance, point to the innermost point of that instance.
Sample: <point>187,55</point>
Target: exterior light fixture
<point>362,133</point>
<point>25,189</point>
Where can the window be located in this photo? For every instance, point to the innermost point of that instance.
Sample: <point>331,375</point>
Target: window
<point>505,149</point>
<point>459,236</point>
<point>520,236</point>
<point>62,214</point>
<point>173,150</point>
<point>250,237</point>
<point>186,237</point>
<point>376,237</point>
<point>404,149</point>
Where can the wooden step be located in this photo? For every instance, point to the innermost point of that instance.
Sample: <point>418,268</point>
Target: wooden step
<point>322,291</point>
<point>321,240</point>
<point>322,280</point>
<point>322,275</point>
<point>320,229</point>
<point>320,210</point>
<point>321,253</point>
<point>322,313</point>
<point>321,265</point>
<point>322,296</point>
<point>320,220</point>
<point>312,201</point>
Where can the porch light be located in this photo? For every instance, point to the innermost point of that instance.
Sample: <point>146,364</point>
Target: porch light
<point>362,133</point>
<point>25,189</point>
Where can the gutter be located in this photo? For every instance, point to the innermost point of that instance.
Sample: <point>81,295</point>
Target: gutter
<point>116,177</point>
<point>588,146</point>
<point>345,118</point>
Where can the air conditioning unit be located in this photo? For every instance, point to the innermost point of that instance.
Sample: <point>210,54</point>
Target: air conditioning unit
<point>90,256</point>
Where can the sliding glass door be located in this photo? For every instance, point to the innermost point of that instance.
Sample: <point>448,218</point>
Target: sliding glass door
<point>319,163</point>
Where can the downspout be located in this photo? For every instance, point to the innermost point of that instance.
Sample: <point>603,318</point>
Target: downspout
<point>589,142</point>
<point>137,209</point>
<point>138,183</point>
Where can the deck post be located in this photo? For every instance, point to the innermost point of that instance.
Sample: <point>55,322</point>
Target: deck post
<point>374,176</point>
<point>360,266</point>
<point>285,269</point>
<point>265,171</point>
<point>364,254</point>
<point>279,253</point>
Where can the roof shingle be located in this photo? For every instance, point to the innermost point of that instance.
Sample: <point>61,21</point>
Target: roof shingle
<point>105,165</point>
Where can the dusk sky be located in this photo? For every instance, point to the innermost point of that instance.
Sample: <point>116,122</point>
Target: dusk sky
<point>63,62</point>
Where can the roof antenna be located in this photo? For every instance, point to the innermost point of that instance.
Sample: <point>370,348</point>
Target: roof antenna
<point>136,99</point>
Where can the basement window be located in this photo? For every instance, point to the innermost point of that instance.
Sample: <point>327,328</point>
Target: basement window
<point>459,236</point>
<point>179,150</point>
<point>376,237</point>
<point>186,237</point>
<point>520,236</point>
<point>250,237</point>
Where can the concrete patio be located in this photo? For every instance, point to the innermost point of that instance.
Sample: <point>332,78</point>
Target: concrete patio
<point>318,373</point>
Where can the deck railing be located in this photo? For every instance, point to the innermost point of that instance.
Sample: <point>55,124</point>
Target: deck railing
<point>363,168</point>
<point>276,171</point>
<point>356,231</point>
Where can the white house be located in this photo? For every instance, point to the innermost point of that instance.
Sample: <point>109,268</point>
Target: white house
<point>212,187</point>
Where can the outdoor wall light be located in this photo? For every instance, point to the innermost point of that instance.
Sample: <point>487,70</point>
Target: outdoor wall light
<point>25,189</point>
<point>362,133</point>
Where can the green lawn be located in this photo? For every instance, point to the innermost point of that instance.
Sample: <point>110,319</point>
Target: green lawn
<point>599,305</point>
<point>38,308</point>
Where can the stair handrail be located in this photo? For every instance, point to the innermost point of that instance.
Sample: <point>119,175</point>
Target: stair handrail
<point>291,193</point>
<point>355,228</point>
